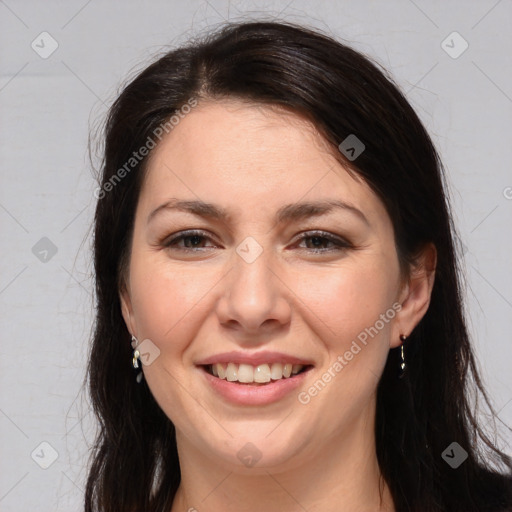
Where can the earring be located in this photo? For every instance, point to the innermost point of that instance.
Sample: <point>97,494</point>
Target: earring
<point>135,359</point>
<point>403,366</point>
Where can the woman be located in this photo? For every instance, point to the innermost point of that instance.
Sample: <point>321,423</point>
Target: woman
<point>274,255</point>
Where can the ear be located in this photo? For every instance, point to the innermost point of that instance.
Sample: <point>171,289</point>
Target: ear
<point>127,310</point>
<point>415,294</point>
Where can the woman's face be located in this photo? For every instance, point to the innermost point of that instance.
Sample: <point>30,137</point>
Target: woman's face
<point>253,246</point>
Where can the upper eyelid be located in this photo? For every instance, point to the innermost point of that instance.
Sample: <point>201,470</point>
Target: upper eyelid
<point>186,234</point>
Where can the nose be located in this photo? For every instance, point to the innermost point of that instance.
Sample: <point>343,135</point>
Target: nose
<point>255,300</point>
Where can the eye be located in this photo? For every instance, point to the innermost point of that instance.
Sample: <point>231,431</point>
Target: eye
<point>317,241</point>
<point>192,240</point>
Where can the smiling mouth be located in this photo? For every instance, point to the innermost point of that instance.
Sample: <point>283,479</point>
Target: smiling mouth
<point>259,375</point>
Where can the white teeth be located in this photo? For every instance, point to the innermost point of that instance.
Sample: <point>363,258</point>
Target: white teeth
<point>231,373</point>
<point>221,372</point>
<point>296,368</point>
<point>276,372</point>
<point>245,373</point>
<point>260,374</point>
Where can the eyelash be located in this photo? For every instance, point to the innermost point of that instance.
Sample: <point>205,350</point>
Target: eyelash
<point>339,243</point>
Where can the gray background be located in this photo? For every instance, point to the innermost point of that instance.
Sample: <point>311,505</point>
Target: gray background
<point>48,105</point>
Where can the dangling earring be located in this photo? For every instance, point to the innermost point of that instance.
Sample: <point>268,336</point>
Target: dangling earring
<point>403,366</point>
<point>136,357</point>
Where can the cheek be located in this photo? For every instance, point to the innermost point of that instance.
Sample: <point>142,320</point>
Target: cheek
<point>170,305</point>
<point>168,300</point>
<point>353,314</point>
<point>349,299</point>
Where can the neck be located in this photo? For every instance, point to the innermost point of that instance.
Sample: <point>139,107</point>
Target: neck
<point>342,475</point>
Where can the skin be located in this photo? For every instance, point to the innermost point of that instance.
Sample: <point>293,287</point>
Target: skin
<point>192,304</point>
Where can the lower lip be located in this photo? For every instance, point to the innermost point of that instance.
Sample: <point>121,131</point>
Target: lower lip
<point>247,394</point>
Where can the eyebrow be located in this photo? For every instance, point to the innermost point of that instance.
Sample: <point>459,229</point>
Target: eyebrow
<point>287,213</point>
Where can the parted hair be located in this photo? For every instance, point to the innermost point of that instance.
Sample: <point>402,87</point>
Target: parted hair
<point>134,464</point>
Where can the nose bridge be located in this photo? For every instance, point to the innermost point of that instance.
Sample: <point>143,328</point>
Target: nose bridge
<point>253,293</point>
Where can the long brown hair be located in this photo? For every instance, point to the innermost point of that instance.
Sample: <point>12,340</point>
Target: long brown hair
<point>134,465</point>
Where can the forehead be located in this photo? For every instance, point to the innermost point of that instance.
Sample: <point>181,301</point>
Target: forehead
<point>248,156</point>
<point>231,133</point>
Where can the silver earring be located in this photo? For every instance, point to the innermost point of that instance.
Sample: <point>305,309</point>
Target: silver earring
<point>136,358</point>
<point>403,366</point>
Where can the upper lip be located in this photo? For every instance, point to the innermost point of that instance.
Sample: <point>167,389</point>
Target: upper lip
<point>254,359</point>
